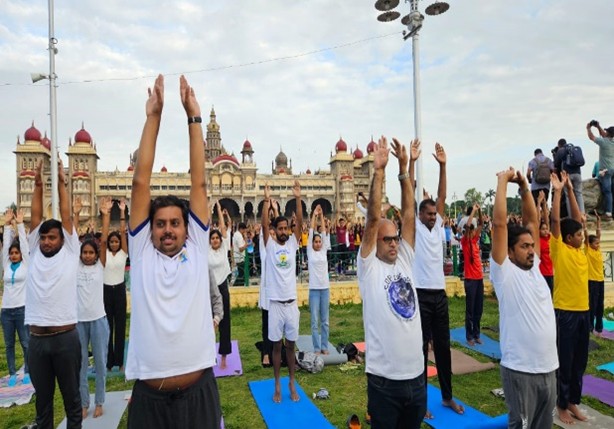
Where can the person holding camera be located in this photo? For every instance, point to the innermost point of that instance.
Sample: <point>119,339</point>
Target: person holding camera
<point>605,141</point>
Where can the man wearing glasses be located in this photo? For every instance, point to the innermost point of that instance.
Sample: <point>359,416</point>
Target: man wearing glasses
<point>396,387</point>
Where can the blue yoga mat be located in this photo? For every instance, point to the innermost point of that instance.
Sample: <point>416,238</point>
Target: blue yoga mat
<point>608,325</point>
<point>447,418</point>
<point>489,347</point>
<point>609,367</point>
<point>287,414</point>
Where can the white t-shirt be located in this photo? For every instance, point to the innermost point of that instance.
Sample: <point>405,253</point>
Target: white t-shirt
<point>115,267</point>
<point>171,329</point>
<point>281,269</point>
<point>263,301</point>
<point>218,261</point>
<point>51,284</point>
<point>317,263</point>
<point>526,314</point>
<point>14,294</point>
<point>237,242</point>
<point>391,316</point>
<point>90,292</point>
<point>428,266</point>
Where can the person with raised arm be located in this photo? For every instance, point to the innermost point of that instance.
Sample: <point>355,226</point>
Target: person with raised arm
<point>15,260</point>
<point>570,300</point>
<point>396,387</point>
<point>280,265</point>
<point>54,351</point>
<point>526,314</point>
<point>596,279</point>
<point>115,302</point>
<point>172,338</point>
<point>431,283</point>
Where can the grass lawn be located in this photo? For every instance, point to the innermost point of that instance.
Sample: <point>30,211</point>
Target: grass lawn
<point>347,390</point>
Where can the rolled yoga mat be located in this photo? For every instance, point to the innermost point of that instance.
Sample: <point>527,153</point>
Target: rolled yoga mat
<point>233,362</point>
<point>287,413</point>
<point>463,363</point>
<point>598,388</point>
<point>489,347</point>
<point>305,344</point>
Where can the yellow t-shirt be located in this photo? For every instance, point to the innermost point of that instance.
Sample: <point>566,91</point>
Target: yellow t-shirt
<point>595,264</point>
<point>570,276</point>
<point>304,238</point>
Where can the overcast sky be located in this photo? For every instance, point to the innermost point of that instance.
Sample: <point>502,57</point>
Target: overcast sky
<point>499,79</point>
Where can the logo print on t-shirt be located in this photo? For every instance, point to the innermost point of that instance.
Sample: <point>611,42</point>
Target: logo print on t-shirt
<point>282,259</point>
<point>401,298</point>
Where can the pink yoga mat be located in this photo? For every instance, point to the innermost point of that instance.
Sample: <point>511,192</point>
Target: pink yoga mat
<point>598,388</point>
<point>233,362</point>
<point>607,334</point>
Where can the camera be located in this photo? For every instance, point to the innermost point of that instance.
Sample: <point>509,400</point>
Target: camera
<point>594,123</point>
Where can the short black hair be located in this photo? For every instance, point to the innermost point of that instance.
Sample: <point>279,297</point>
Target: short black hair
<point>562,142</point>
<point>242,225</point>
<point>569,226</point>
<point>93,243</point>
<point>513,234</point>
<point>279,219</point>
<point>592,238</point>
<point>169,201</point>
<point>537,152</point>
<point>215,232</point>
<point>50,224</point>
<point>426,202</point>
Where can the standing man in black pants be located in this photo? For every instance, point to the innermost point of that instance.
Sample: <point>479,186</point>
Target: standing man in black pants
<point>431,284</point>
<point>51,307</point>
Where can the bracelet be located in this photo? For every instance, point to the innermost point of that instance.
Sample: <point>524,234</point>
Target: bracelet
<point>194,120</point>
<point>402,177</point>
<point>522,191</point>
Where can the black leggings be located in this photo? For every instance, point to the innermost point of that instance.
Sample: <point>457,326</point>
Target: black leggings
<point>115,307</point>
<point>225,346</point>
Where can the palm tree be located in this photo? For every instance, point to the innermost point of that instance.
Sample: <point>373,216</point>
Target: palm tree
<point>490,195</point>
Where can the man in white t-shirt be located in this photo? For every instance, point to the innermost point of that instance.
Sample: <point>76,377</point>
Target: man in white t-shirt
<point>431,284</point>
<point>239,244</point>
<point>280,266</point>
<point>172,340</point>
<point>526,313</point>
<point>51,307</point>
<point>396,387</point>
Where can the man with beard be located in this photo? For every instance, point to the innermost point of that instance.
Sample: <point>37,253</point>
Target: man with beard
<point>431,284</point>
<point>528,328</point>
<point>280,265</point>
<point>51,307</point>
<point>172,341</point>
<point>396,386</point>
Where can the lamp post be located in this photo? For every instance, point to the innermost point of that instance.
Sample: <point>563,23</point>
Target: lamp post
<point>53,50</point>
<point>413,21</point>
<point>454,203</point>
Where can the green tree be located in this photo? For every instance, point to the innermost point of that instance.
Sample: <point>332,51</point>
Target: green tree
<point>473,196</point>
<point>489,196</point>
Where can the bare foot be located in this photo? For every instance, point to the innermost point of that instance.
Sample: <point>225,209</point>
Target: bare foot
<point>121,368</point>
<point>325,352</point>
<point>84,412</point>
<point>293,394</point>
<point>575,410</point>
<point>429,415</point>
<point>478,340</point>
<point>277,395</point>
<point>98,411</point>
<point>265,360</point>
<point>451,403</point>
<point>223,362</point>
<point>317,353</point>
<point>565,416</point>
<point>598,334</point>
<point>471,343</point>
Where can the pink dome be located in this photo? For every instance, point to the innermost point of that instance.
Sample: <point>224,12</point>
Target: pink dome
<point>83,136</point>
<point>130,168</point>
<point>371,146</point>
<point>308,171</point>
<point>341,146</point>
<point>225,157</point>
<point>46,142</point>
<point>358,154</point>
<point>247,145</point>
<point>32,134</point>
<point>163,169</point>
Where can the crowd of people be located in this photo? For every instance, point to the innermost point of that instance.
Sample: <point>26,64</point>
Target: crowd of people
<point>65,294</point>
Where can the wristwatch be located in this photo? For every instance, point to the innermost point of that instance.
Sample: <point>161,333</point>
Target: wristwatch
<point>194,120</point>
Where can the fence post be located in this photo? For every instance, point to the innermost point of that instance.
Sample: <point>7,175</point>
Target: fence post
<point>455,260</point>
<point>246,268</point>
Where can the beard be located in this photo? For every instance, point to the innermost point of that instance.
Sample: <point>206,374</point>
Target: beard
<point>282,238</point>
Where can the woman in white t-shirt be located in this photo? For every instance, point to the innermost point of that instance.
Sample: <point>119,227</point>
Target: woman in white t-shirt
<point>92,324</point>
<point>15,256</point>
<point>219,271</point>
<point>115,303</point>
<point>319,284</point>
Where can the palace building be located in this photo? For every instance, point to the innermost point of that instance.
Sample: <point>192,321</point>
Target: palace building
<point>238,185</point>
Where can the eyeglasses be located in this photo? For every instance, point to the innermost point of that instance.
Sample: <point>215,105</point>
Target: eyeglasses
<point>391,238</point>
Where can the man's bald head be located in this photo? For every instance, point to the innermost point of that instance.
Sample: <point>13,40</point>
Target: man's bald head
<point>387,241</point>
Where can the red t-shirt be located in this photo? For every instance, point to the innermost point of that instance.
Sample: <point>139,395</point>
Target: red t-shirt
<point>545,264</point>
<point>471,255</point>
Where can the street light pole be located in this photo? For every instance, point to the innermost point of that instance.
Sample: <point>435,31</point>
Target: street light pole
<point>53,115</point>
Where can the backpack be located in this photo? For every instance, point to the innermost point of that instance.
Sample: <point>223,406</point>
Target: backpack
<point>310,362</point>
<point>542,172</point>
<point>574,157</point>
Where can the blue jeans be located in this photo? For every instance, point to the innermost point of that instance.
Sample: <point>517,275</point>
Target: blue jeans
<point>96,332</point>
<point>576,182</point>
<point>12,321</point>
<point>319,302</point>
<point>606,189</point>
<point>396,404</point>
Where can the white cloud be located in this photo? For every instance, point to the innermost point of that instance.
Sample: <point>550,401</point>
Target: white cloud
<point>498,79</point>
